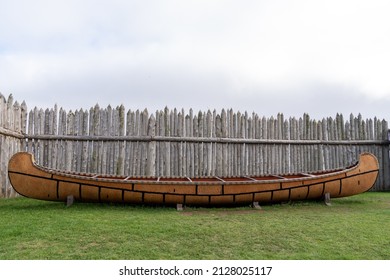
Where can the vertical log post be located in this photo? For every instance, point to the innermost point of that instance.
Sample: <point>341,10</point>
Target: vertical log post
<point>151,156</point>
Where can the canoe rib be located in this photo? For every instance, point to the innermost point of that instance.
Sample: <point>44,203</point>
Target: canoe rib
<point>34,181</point>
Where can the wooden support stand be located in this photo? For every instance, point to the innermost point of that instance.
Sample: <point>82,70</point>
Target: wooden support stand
<point>69,200</point>
<point>256,205</point>
<point>179,207</point>
<point>327,199</point>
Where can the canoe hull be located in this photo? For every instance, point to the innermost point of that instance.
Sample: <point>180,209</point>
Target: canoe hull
<point>34,181</point>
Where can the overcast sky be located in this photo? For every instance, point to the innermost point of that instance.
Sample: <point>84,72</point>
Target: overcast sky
<point>263,56</point>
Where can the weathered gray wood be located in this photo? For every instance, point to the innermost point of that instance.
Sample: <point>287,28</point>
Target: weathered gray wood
<point>69,144</point>
<point>69,200</point>
<point>202,139</point>
<point>151,155</point>
<point>12,130</point>
<point>327,199</point>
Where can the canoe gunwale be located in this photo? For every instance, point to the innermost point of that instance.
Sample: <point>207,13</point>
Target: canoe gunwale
<point>214,180</point>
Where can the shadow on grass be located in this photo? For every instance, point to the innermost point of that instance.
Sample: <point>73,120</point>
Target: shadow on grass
<point>22,203</point>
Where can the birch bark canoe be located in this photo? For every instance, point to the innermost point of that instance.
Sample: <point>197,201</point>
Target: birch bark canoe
<point>34,181</point>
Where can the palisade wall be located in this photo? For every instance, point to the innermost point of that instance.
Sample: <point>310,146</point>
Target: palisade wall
<point>13,118</point>
<point>178,143</point>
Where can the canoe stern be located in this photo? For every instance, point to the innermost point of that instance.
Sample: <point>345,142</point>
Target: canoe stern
<point>28,180</point>
<point>362,178</point>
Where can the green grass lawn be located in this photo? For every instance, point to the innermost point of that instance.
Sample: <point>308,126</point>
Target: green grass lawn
<point>355,228</point>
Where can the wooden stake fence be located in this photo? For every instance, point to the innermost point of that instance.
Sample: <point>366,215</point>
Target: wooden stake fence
<point>12,130</point>
<point>176,143</point>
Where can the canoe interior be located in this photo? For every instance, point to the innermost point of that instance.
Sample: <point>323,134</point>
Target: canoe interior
<point>254,178</point>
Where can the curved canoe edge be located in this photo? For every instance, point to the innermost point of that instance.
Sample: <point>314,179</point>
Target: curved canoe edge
<point>17,159</point>
<point>22,164</point>
<point>362,178</point>
<point>33,181</point>
<point>369,160</point>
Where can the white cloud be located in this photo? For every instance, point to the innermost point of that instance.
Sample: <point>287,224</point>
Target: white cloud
<point>237,53</point>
